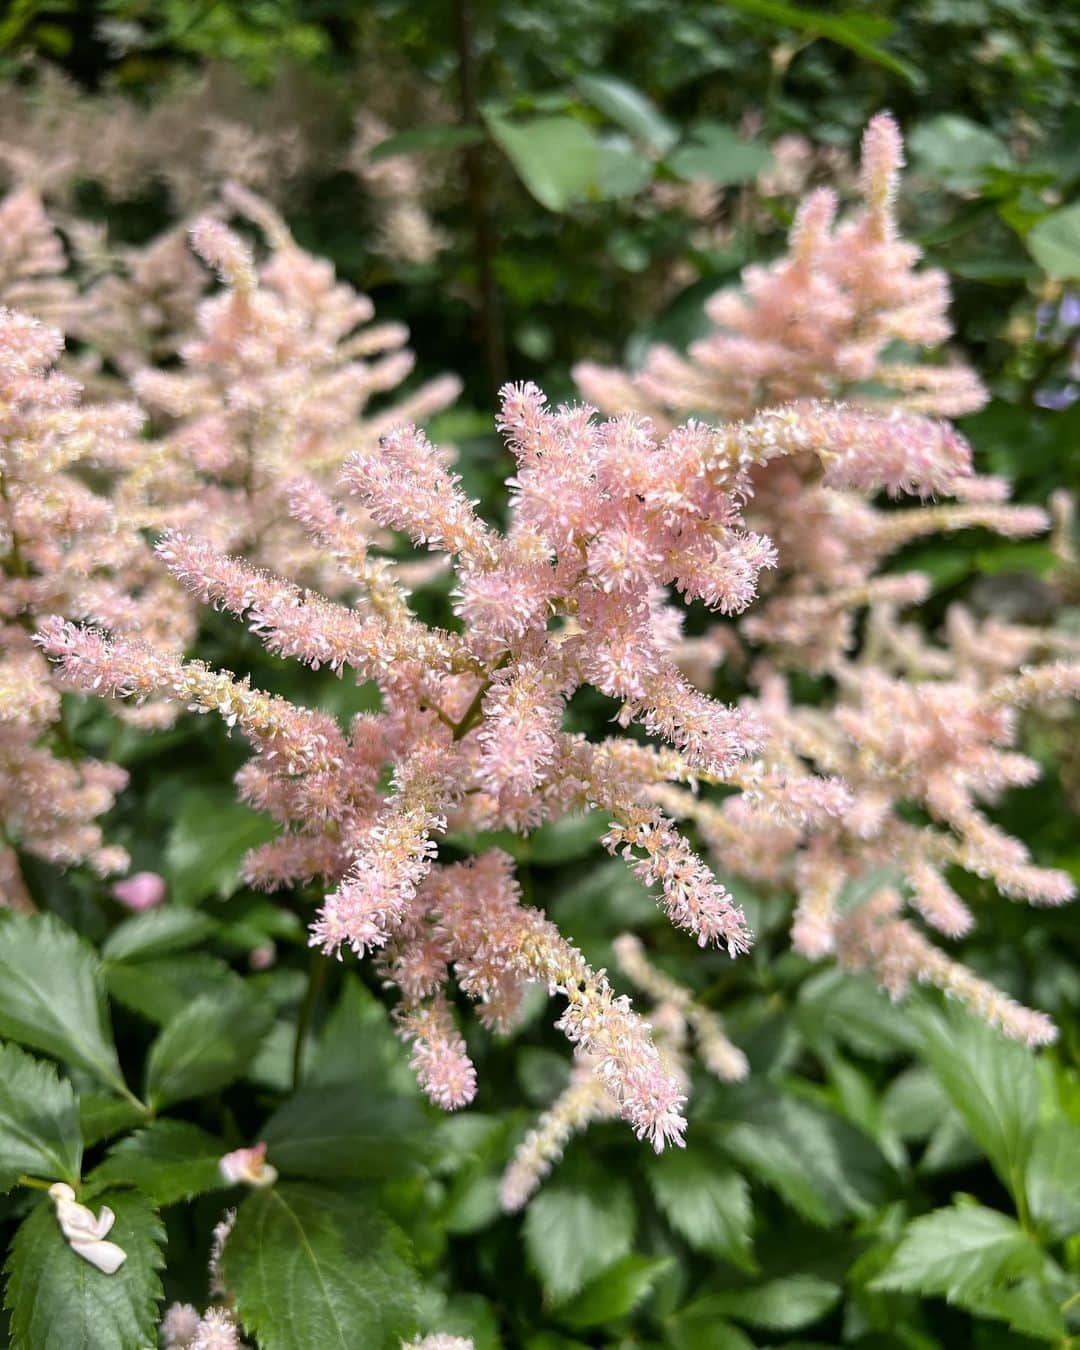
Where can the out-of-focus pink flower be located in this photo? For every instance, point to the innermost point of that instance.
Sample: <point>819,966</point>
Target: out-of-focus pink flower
<point>142,890</point>
<point>249,1166</point>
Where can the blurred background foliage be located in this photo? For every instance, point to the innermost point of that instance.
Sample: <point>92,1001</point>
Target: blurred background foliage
<point>600,170</point>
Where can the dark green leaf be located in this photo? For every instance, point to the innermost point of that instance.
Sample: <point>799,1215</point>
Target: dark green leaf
<point>855,30</point>
<point>57,1298</point>
<point>705,1201</point>
<point>320,1266</point>
<point>449,137</point>
<point>992,1083</point>
<point>615,1293</point>
<point>169,1160</point>
<point>157,933</point>
<point>209,838</point>
<point>39,1121</point>
<point>159,990</point>
<point>102,1116</point>
<point>51,995</point>
<point>573,1232</point>
<point>346,1130</point>
<point>207,1045</point>
<point>784,1304</point>
<point>959,1251</point>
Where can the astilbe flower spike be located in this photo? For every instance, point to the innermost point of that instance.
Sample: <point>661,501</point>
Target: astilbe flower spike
<point>278,376</point>
<point>603,517</point>
<point>61,550</point>
<point>911,721</point>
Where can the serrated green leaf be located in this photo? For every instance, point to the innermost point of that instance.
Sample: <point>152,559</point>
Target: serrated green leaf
<point>206,1046</point>
<point>346,1130</point>
<point>819,1164</point>
<point>1055,242</point>
<point>102,1116</point>
<point>705,1201</point>
<point>615,1293</point>
<point>320,1266</point>
<point>629,107</point>
<point>1053,1178</point>
<point>159,989</point>
<point>358,1044</point>
<point>57,1298</point>
<point>209,838</point>
<point>555,157</point>
<point>1027,1305</point>
<point>958,1252</point>
<point>852,1010</point>
<point>573,1232</point>
<point>169,1160</point>
<point>992,1083</point>
<point>785,1304</point>
<point>51,995</point>
<point>157,933</point>
<point>39,1121</point>
<point>718,154</point>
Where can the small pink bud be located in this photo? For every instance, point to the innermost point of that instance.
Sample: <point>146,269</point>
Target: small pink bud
<point>263,957</point>
<point>248,1165</point>
<point>144,890</point>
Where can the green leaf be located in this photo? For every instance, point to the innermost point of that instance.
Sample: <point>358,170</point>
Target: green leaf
<point>818,1163</point>
<point>706,1201</point>
<point>959,1251</point>
<point>621,169</point>
<point>573,1232</point>
<point>784,1304</point>
<point>615,1293</point>
<point>320,1266</point>
<point>1027,1305</point>
<point>719,154</point>
<point>157,933</point>
<point>448,137</point>
<point>209,838</point>
<point>855,30</point>
<point>160,989</point>
<point>555,157</point>
<point>207,1045</point>
<point>39,1121</point>
<point>357,1044</point>
<point>697,1327</point>
<point>169,1160</point>
<point>58,1299</point>
<point>1055,242</point>
<point>956,151</point>
<point>992,1083</point>
<point>51,995</point>
<point>1053,1178</point>
<point>628,107</point>
<point>346,1130</point>
<point>102,1116</point>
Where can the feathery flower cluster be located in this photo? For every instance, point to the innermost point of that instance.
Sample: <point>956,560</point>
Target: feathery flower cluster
<point>911,722</point>
<point>585,1099</point>
<point>61,550</point>
<point>603,517</point>
<point>274,392</point>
